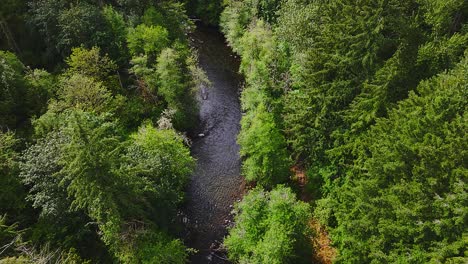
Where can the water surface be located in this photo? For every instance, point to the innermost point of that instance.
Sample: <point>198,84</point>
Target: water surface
<point>216,183</point>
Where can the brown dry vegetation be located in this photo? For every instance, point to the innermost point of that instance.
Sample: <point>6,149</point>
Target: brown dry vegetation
<point>323,251</point>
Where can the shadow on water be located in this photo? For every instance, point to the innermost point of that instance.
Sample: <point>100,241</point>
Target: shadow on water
<point>216,183</point>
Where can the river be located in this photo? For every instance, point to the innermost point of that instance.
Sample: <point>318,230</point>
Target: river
<point>216,183</point>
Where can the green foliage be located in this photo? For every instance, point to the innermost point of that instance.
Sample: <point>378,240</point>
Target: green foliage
<point>263,147</point>
<point>89,163</point>
<point>9,7</point>
<point>176,19</point>
<point>332,74</point>
<point>11,189</point>
<point>444,16</point>
<point>167,149</point>
<point>170,15</point>
<point>89,62</point>
<point>147,75</point>
<point>161,160</point>
<point>81,92</point>
<point>370,97</point>
<point>80,170</point>
<point>153,246</point>
<point>42,87</point>
<point>161,163</point>
<point>92,183</point>
<point>12,90</point>
<point>45,255</point>
<point>291,29</point>
<point>175,86</point>
<point>442,53</point>
<point>174,75</point>
<point>53,184</point>
<point>39,171</point>
<point>208,11</point>
<point>262,143</point>
<point>9,235</point>
<point>268,9</point>
<point>111,196</point>
<point>152,17</point>
<point>234,21</point>
<point>84,164</point>
<point>15,260</point>
<point>44,15</point>
<point>259,63</point>
<point>79,24</point>
<point>134,7</point>
<point>405,203</point>
<point>147,100</point>
<point>238,15</point>
<point>85,85</point>
<point>169,70</point>
<point>23,93</point>
<point>329,75</point>
<point>66,24</point>
<point>117,29</point>
<point>147,40</point>
<point>172,79</point>
<point>268,227</point>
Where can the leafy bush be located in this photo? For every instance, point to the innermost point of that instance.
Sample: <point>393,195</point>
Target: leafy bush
<point>269,226</point>
<point>263,147</point>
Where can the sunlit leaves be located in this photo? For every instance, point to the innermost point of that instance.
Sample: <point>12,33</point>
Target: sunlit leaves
<point>90,63</point>
<point>263,148</point>
<point>268,226</point>
<point>149,40</point>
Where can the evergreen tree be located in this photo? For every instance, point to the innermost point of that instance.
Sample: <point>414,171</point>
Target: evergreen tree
<point>406,198</point>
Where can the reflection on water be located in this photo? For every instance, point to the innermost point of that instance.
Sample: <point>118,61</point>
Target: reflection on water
<point>216,183</point>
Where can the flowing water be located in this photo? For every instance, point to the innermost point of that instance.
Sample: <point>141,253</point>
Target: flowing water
<point>216,183</point>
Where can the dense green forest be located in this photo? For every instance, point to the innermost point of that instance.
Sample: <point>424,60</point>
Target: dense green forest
<point>368,98</point>
<point>95,100</point>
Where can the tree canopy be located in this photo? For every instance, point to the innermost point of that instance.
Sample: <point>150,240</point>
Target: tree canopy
<point>86,176</point>
<point>269,226</point>
<point>369,99</point>
<point>358,107</point>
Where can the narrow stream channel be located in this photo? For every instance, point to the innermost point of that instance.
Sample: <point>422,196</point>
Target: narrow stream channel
<point>216,183</point>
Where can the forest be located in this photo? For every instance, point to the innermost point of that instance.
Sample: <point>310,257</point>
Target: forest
<point>353,130</point>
